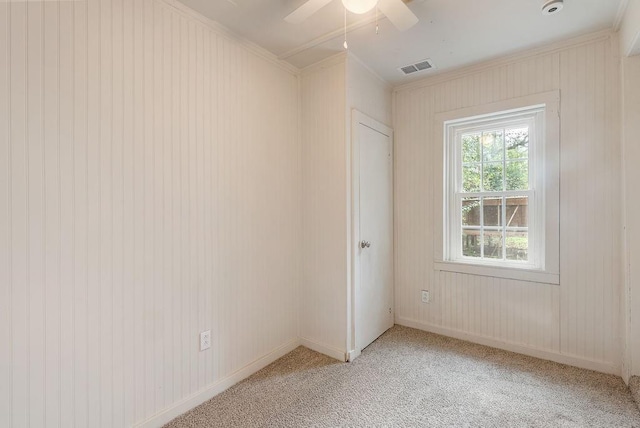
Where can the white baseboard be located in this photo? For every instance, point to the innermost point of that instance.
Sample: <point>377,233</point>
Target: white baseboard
<point>352,355</point>
<point>216,388</point>
<point>324,349</point>
<point>571,360</point>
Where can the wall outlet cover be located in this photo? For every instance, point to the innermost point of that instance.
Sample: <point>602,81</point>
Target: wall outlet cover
<point>425,296</point>
<point>205,340</point>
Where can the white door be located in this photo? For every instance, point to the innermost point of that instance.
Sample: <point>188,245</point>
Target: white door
<point>374,245</point>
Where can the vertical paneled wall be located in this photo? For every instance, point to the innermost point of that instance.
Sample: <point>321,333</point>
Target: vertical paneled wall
<point>631,130</point>
<point>149,190</point>
<point>323,292</point>
<point>329,91</point>
<point>367,92</point>
<point>578,319</point>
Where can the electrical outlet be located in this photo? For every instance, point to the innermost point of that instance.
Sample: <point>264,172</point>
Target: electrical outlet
<point>205,340</point>
<point>425,296</point>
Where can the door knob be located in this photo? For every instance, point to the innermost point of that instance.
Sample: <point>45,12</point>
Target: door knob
<point>365,244</point>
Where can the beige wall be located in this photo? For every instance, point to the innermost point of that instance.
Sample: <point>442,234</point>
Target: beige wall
<point>329,92</point>
<point>149,190</point>
<point>153,184</point>
<point>631,138</point>
<point>630,45</point>
<point>367,92</point>
<point>630,29</point>
<point>323,290</point>
<point>577,322</point>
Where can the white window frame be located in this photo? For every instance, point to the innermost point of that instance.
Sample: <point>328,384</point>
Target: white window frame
<point>533,118</point>
<point>541,112</point>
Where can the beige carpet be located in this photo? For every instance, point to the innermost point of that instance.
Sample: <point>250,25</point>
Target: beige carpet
<point>634,386</point>
<point>409,378</point>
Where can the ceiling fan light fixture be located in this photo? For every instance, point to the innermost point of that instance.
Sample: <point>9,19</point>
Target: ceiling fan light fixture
<point>359,6</point>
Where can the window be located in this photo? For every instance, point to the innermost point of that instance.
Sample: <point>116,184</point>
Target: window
<point>499,211</point>
<point>494,205</point>
<point>492,198</point>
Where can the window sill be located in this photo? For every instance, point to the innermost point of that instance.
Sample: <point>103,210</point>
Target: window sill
<point>519,274</point>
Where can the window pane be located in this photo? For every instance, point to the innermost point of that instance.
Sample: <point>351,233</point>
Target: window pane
<point>471,148</point>
<point>492,146</point>
<point>471,243</point>
<point>517,175</point>
<point>517,143</point>
<point>517,246</point>
<point>471,178</point>
<point>518,211</point>
<point>471,212</point>
<point>492,244</point>
<point>492,209</point>
<point>493,177</point>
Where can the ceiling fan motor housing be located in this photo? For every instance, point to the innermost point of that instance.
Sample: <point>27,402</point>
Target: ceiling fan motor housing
<point>550,7</point>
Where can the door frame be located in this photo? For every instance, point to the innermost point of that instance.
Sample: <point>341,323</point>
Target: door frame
<point>358,118</point>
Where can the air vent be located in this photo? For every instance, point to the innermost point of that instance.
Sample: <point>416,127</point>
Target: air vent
<point>409,69</point>
<point>423,65</point>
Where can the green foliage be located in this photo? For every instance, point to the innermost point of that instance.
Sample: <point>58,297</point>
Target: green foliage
<point>516,246</point>
<point>471,178</point>
<point>517,175</point>
<point>517,143</point>
<point>493,161</point>
<point>493,176</point>
<point>517,242</point>
<point>492,146</point>
<point>471,148</point>
<point>483,154</point>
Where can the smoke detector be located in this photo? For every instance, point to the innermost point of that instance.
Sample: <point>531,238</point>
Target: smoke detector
<point>551,7</point>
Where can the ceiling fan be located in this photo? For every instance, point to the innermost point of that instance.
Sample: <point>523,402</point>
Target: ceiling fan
<point>396,11</point>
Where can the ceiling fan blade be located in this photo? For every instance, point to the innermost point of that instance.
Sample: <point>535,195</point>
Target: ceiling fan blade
<point>306,10</point>
<point>398,13</point>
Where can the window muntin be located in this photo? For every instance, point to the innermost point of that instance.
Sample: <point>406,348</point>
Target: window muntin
<point>491,213</point>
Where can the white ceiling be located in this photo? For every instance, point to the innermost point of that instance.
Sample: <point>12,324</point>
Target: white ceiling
<point>452,33</point>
